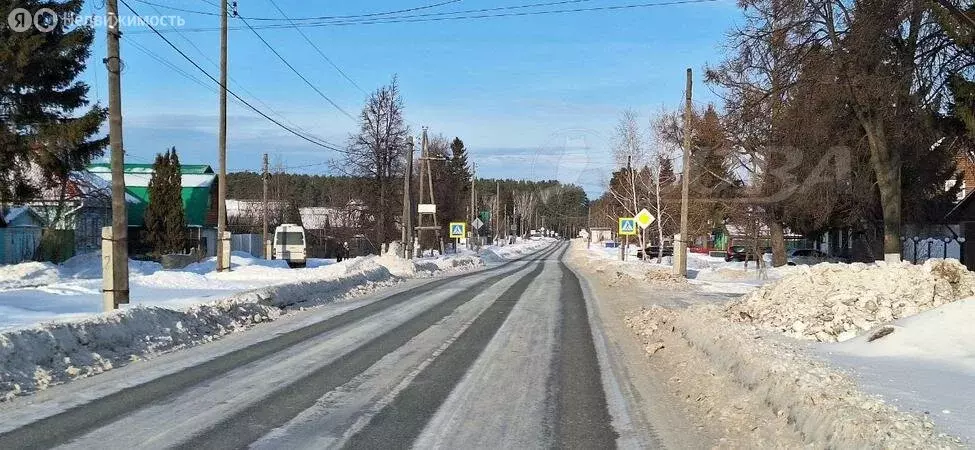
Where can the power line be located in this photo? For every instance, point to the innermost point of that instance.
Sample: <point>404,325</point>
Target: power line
<point>170,65</point>
<point>464,11</point>
<point>415,19</point>
<point>323,144</point>
<point>285,61</point>
<point>274,19</point>
<point>319,50</point>
<point>232,79</point>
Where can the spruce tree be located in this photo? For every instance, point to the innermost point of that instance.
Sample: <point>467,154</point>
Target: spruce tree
<point>165,218</point>
<point>175,215</point>
<point>46,120</point>
<point>155,212</point>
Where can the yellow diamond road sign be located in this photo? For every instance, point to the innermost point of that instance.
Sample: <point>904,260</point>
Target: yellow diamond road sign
<point>627,226</point>
<point>644,219</point>
<point>458,229</point>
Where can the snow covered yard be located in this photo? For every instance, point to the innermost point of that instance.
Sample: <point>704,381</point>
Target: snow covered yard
<point>925,365</point>
<point>52,329</point>
<point>705,273</point>
<point>903,377</point>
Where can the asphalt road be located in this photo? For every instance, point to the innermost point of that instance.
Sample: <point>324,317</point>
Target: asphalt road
<point>500,358</point>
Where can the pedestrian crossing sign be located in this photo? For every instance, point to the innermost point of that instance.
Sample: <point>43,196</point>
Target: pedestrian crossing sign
<point>458,230</point>
<point>627,226</point>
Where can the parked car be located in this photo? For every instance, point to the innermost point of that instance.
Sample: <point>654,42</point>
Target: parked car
<point>742,253</point>
<point>809,256</point>
<point>289,245</point>
<point>653,250</point>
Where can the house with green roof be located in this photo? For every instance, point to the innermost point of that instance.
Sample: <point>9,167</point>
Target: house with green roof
<point>198,182</point>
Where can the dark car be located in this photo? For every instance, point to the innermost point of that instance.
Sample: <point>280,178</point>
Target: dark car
<point>653,251</point>
<point>743,253</point>
<point>811,256</point>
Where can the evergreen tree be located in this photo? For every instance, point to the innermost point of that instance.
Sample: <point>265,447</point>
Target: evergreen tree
<point>155,214</point>
<point>460,178</point>
<point>45,118</point>
<point>175,215</point>
<point>165,219</point>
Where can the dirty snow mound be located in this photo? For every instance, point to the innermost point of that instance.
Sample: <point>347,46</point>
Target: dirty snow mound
<point>822,404</point>
<point>837,302</point>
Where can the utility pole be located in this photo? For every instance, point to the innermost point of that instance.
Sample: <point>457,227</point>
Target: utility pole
<point>497,210</point>
<point>264,179</point>
<point>474,232</point>
<point>408,201</point>
<point>426,162</point>
<point>115,279</point>
<point>222,260</point>
<point>680,263</point>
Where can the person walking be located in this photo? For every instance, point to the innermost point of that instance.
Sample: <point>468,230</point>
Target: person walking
<point>343,252</point>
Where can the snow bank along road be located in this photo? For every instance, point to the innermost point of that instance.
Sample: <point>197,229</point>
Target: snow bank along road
<point>505,357</point>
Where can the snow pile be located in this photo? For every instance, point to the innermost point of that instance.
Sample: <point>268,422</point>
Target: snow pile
<point>34,359</point>
<point>73,347</point>
<point>823,405</point>
<point>836,302</point>
<point>88,266</point>
<point>28,274</point>
<point>522,247</point>
<point>944,334</point>
<point>924,363</point>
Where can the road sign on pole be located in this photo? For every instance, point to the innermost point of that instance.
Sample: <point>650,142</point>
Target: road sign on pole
<point>477,224</point>
<point>644,219</point>
<point>458,229</point>
<point>627,226</point>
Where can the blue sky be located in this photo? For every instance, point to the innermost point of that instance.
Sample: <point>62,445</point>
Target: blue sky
<point>532,97</point>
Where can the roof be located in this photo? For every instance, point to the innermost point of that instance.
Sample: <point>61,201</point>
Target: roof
<point>962,212</point>
<point>186,169</point>
<point>196,183</point>
<point>322,217</point>
<point>250,211</point>
<point>11,214</point>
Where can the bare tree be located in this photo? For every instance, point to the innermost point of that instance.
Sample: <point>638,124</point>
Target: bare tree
<point>628,149</point>
<point>376,152</point>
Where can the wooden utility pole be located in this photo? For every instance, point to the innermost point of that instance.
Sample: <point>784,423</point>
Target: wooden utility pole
<point>264,179</point>
<point>474,231</point>
<point>426,162</point>
<point>497,210</point>
<point>407,234</point>
<point>115,280</point>
<point>222,146</point>
<point>680,262</point>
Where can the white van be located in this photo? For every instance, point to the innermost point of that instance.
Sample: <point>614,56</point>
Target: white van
<point>289,244</point>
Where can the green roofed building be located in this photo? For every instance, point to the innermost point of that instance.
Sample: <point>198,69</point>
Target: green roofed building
<point>198,184</point>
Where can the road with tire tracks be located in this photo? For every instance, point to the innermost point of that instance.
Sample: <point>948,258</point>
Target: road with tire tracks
<point>500,358</point>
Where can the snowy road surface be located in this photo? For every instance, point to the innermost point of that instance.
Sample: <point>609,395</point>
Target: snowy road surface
<point>505,357</point>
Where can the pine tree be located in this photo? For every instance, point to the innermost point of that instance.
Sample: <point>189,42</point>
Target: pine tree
<point>41,98</point>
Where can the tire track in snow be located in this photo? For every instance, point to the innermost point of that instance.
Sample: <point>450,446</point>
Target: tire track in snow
<point>61,428</point>
<point>282,405</point>
<point>399,423</point>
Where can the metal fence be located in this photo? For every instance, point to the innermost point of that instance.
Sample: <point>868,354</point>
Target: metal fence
<point>919,249</point>
<point>19,244</point>
<point>249,243</point>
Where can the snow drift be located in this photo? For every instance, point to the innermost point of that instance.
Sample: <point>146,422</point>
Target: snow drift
<point>823,405</point>
<point>34,358</point>
<point>837,302</point>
